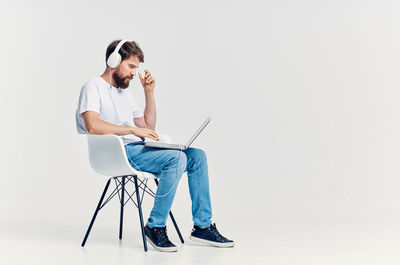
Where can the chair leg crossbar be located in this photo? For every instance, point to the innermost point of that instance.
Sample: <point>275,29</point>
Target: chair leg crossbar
<point>120,189</point>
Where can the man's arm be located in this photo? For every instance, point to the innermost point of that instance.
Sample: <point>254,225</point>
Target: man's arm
<point>149,119</point>
<point>94,125</point>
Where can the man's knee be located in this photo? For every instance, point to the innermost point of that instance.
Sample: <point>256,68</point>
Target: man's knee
<point>198,154</point>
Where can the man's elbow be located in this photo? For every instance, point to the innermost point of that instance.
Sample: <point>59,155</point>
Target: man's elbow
<point>91,122</point>
<point>149,126</point>
<point>91,131</point>
<point>90,128</point>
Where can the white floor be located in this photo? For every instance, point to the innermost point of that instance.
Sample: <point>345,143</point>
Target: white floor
<point>280,240</point>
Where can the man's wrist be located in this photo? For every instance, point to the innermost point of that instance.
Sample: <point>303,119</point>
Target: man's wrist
<point>148,93</point>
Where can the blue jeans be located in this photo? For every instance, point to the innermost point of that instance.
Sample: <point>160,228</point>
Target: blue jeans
<point>164,164</point>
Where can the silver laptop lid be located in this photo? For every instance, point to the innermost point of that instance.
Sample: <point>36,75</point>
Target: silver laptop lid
<point>198,132</point>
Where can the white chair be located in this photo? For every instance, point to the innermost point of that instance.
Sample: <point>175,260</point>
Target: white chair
<point>107,157</point>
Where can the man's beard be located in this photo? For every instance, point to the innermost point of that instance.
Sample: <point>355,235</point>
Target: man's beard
<point>122,82</point>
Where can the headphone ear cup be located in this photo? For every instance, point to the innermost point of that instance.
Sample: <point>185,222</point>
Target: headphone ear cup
<point>114,59</point>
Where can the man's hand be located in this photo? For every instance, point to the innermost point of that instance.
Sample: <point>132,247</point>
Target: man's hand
<point>148,82</point>
<point>144,132</point>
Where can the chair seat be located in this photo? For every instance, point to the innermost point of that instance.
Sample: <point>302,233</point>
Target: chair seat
<point>108,157</point>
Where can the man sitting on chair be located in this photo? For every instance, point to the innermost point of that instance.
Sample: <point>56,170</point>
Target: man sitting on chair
<point>107,107</point>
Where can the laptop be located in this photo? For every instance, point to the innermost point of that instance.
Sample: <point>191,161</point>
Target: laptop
<point>179,146</point>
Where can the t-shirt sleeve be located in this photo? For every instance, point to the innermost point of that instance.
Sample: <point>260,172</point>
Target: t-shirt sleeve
<point>136,110</point>
<point>89,99</point>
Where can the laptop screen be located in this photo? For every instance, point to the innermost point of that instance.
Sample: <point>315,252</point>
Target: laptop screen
<point>198,132</point>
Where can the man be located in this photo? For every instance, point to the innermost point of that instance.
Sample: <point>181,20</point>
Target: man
<point>106,107</point>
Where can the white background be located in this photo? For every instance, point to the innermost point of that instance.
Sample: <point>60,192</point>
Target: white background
<point>303,147</point>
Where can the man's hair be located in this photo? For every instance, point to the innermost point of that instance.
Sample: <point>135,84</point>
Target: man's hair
<point>127,50</point>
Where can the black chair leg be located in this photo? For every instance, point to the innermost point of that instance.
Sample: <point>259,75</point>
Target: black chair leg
<point>173,221</point>
<point>95,213</point>
<point>140,213</point>
<point>176,227</point>
<point>121,217</point>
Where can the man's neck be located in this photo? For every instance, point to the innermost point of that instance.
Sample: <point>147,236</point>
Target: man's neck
<point>107,76</point>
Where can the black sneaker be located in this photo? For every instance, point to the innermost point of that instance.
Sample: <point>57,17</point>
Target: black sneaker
<point>158,238</point>
<point>210,236</point>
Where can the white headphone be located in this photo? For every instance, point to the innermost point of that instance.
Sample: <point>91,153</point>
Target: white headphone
<point>115,58</point>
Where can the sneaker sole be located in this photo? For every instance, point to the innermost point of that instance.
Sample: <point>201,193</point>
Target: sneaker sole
<point>212,243</point>
<point>161,249</point>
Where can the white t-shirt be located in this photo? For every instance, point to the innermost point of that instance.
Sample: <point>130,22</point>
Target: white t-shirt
<point>114,105</point>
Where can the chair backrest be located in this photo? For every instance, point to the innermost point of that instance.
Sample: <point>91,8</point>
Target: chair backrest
<point>107,155</point>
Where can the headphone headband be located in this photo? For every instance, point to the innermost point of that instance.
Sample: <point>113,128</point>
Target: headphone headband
<point>122,42</point>
<point>115,58</point>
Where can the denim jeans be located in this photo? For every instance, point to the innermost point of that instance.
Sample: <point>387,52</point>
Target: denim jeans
<point>164,164</point>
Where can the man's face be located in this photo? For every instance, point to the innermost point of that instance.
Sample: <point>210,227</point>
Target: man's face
<point>126,71</point>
